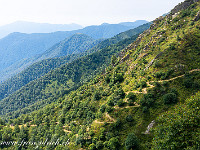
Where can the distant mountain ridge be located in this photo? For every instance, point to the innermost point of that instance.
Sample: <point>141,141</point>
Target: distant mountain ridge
<point>18,46</point>
<point>32,27</point>
<point>134,24</point>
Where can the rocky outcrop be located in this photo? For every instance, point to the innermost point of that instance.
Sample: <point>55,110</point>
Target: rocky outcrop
<point>150,126</point>
<point>175,15</point>
<point>183,5</point>
<point>197,16</point>
<point>151,62</point>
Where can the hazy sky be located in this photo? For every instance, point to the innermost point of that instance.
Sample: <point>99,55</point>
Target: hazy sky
<point>84,12</point>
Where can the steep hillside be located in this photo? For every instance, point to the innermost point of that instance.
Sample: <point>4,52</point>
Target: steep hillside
<point>60,81</point>
<point>39,69</point>
<point>147,98</point>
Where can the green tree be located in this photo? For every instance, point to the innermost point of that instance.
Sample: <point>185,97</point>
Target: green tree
<point>97,96</point>
<point>16,130</point>
<point>92,147</point>
<point>113,60</point>
<point>113,143</point>
<point>131,142</point>
<point>2,122</point>
<point>99,145</point>
<point>131,97</point>
<point>170,98</point>
<point>7,134</point>
<point>59,129</point>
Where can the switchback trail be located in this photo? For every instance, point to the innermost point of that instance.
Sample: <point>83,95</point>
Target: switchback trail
<point>150,86</point>
<point>111,120</point>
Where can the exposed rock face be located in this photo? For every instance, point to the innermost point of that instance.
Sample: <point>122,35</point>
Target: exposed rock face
<point>151,63</point>
<point>183,5</point>
<point>150,126</point>
<point>197,16</point>
<point>175,15</point>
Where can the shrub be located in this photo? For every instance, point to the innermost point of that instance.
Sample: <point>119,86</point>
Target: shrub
<point>188,83</point>
<point>97,96</point>
<point>196,85</point>
<point>131,97</point>
<point>170,98</point>
<point>99,145</point>
<point>159,74</point>
<point>174,90</point>
<point>192,23</point>
<point>107,79</point>
<point>109,109</point>
<point>161,40</point>
<point>178,38</point>
<point>118,77</point>
<point>131,142</point>
<point>147,101</point>
<point>117,124</point>
<point>157,64</point>
<point>92,147</point>
<point>91,133</point>
<point>129,118</point>
<point>80,140</point>
<point>185,13</point>
<point>165,83</point>
<point>110,101</point>
<point>145,109</point>
<point>113,143</point>
<point>103,108</point>
<point>120,103</point>
<point>171,47</point>
<point>141,84</point>
<point>113,60</point>
<point>119,93</point>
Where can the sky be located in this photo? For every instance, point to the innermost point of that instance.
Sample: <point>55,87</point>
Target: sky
<point>83,12</point>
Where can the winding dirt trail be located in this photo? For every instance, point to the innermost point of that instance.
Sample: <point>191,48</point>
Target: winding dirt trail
<point>150,86</point>
<point>111,120</point>
<point>144,91</point>
<point>135,105</point>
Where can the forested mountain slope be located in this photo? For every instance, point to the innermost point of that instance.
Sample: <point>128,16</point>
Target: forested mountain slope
<point>60,81</point>
<point>77,43</point>
<point>74,44</point>
<point>18,46</point>
<point>40,68</point>
<point>148,97</point>
<point>18,50</point>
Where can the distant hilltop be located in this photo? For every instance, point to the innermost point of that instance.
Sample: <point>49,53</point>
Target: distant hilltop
<point>32,27</point>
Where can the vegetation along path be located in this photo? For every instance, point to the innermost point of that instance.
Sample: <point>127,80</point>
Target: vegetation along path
<point>149,85</point>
